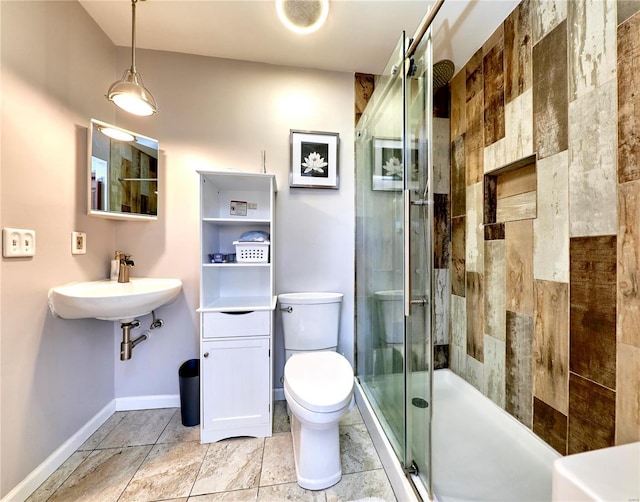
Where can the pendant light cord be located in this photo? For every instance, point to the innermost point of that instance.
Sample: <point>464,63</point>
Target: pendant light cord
<point>133,36</point>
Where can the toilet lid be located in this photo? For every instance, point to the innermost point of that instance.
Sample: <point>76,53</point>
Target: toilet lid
<point>319,381</point>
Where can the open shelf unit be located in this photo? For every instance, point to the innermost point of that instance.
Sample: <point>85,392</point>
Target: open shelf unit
<point>237,303</point>
<point>224,286</point>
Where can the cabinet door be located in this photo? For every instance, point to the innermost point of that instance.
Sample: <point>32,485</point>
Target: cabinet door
<point>236,383</point>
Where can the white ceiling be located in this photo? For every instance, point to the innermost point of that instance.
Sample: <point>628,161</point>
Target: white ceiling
<point>359,35</point>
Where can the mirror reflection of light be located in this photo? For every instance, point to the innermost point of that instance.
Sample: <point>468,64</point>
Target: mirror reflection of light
<point>148,142</point>
<point>117,134</point>
<point>302,16</point>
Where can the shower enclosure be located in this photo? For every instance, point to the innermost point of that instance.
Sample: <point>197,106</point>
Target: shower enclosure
<point>394,270</point>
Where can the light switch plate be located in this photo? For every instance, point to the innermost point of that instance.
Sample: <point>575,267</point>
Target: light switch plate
<point>18,242</point>
<point>78,243</point>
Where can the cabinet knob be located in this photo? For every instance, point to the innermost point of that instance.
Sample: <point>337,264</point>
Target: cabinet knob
<point>206,354</point>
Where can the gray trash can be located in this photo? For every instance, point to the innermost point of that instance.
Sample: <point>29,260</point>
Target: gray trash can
<point>189,376</point>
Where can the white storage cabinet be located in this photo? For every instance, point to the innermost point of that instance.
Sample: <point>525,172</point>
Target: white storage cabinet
<point>237,304</point>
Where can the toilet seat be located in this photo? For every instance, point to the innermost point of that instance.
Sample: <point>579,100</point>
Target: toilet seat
<point>321,382</point>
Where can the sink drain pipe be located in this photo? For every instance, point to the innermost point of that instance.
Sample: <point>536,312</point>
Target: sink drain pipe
<point>127,345</point>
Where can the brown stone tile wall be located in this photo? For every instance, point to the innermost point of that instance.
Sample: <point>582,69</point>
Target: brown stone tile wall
<point>592,410</point>
<point>364,85</point>
<point>493,72</point>
<point>474,111</point>
<point>571,309</point>
<point>517,51</point>
<point>551,350</point>
<point>550,105</point>
<point>628,237</point>
<point>475,315</point>
<point>592,344</point>
<point>550,425</point>
<point>519,367</point>
<point>458,269</point>
<point>441,231</point>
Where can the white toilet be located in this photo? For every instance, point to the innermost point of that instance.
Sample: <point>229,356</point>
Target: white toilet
<point>390,307</point>
<point>318,384</point>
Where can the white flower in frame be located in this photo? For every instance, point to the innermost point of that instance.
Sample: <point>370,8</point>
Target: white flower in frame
<point>314,163</point>
<point>393,167</point>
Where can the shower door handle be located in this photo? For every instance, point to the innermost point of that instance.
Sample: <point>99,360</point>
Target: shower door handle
<point>408,302</point>
<point>407,252</point>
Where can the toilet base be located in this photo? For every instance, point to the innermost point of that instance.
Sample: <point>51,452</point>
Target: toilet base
<point>316,454</point>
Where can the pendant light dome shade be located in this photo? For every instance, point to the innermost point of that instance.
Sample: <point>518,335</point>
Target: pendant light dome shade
<point>129,93</point>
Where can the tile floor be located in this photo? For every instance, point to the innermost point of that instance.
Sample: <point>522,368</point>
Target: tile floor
<point>149,455</point>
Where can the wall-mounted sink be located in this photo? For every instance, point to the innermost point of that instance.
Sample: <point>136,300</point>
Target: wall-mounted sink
<point>607,474</point>
<point>112,300</point>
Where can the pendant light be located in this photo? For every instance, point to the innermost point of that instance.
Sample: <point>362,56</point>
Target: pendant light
<point>129,93</point>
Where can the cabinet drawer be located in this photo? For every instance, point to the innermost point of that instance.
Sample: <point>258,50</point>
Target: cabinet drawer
<point>232,324</point>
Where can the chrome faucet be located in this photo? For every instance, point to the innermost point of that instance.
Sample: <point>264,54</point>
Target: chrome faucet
<point>125,264</point>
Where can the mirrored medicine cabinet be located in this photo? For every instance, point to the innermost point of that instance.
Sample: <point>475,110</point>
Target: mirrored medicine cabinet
<point>122,173</point>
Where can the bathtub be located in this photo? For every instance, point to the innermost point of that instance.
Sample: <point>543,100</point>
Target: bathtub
<point>480,452</point>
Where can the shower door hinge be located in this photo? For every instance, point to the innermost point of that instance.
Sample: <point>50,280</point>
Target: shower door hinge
<point>412,469</point>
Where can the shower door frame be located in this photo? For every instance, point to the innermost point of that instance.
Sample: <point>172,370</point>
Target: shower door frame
<point>419,302</point>
<point>414,303</point>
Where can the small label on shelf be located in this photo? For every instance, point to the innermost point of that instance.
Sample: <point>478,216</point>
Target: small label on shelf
<point>238,208</point>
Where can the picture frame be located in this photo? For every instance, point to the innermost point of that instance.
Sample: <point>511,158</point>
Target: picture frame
<point>387,165</point>
<point>314,159</point>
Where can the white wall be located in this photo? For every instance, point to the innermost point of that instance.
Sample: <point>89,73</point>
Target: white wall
<point>56,67</point>
<point>55,374</point>
<point>230,112</point>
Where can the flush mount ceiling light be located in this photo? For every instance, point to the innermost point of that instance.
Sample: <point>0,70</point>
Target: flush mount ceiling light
<point>302,16</point>
<point>129,93</point>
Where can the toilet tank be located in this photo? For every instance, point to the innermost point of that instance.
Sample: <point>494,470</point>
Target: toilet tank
<point>390,307</point>
<point>310,321</point>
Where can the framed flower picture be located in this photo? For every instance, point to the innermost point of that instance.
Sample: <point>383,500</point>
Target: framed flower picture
<point>314,159</point>
<point>387,165</point>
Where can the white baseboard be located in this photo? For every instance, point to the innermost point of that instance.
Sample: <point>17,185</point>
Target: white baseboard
<point>40,474</point>
<point>147,402</point>
<point>278,394</point>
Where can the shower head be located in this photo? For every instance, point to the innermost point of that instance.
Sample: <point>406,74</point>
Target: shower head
<point>442,73</point>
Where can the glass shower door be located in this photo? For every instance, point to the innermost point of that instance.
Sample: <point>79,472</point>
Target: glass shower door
<point>393,265</point>
<point>419,202</point>
<point>380,252</point>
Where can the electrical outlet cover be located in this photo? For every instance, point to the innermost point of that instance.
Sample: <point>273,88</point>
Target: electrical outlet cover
<point>78,243</point>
